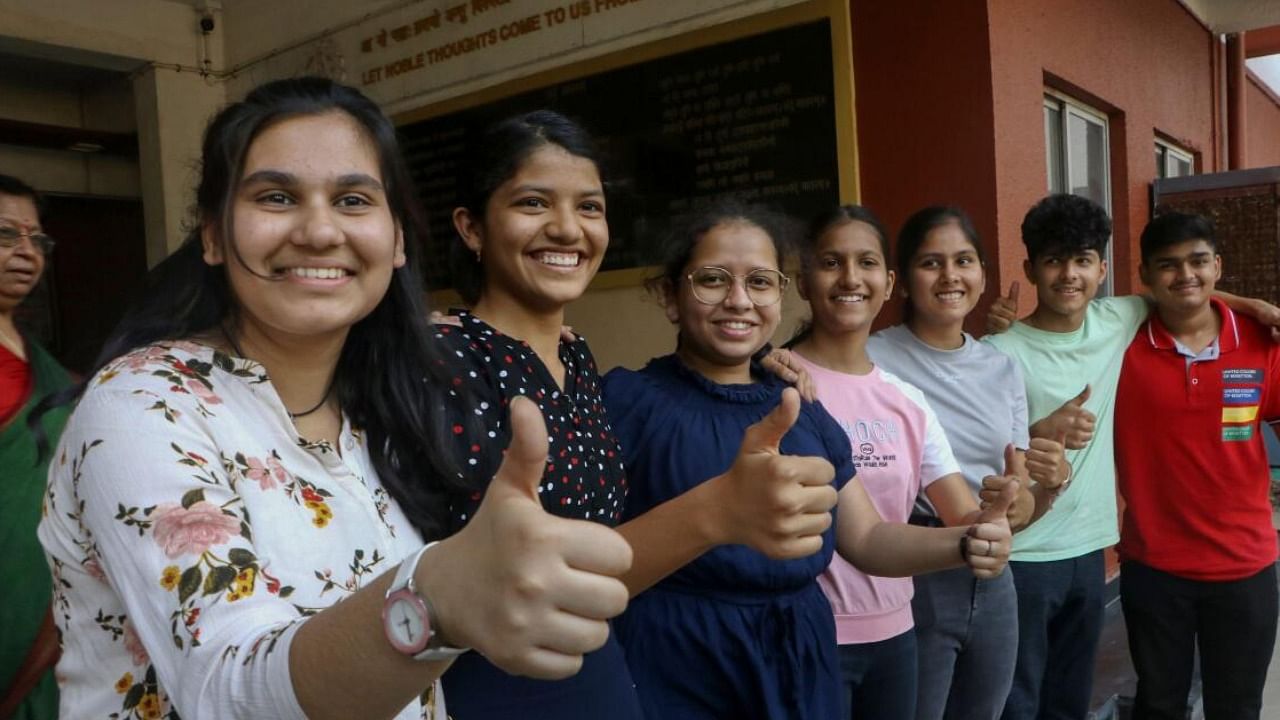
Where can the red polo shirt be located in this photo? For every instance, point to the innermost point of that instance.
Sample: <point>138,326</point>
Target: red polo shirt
<point>1190,459</point>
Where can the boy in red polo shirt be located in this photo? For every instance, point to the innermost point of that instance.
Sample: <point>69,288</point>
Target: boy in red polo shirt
<point>1197,545</point>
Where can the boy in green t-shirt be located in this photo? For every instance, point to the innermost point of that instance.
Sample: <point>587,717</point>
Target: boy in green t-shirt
<point>1070,349</point>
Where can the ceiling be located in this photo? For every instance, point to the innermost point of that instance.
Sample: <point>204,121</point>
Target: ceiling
<point>15,67</point>
<point>1229,16</point>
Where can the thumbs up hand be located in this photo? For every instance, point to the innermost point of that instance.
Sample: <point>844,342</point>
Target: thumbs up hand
<point>989,539</point>
<point>777,504</point>
<point>1047,462</point>
<point>1022,506</point>
<point>530,591</point>
<point>1003,311</point>
<point>1070,421</point>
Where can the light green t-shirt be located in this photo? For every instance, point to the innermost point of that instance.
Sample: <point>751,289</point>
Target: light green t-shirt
<point>1056,367</point>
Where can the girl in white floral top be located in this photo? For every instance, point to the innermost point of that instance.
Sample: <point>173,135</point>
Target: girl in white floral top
<point>223,481</point>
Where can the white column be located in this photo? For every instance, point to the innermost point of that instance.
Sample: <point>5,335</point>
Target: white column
<point>172,111</point>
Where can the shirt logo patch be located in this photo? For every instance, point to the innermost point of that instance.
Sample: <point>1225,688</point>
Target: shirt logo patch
<point>1241,396</point>
<point>1239,376</point>
<point>1239,414</point>
<point>1237,433</point>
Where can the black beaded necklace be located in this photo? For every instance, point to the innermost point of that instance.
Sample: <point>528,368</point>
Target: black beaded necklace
<point>292,415</point>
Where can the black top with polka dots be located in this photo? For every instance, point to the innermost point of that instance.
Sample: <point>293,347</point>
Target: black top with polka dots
<point>584,477</point>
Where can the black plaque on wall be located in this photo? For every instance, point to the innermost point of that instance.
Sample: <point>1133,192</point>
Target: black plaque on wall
<point>752,117</point>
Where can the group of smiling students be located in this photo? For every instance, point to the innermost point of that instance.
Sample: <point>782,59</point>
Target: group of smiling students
<point>284,493</point>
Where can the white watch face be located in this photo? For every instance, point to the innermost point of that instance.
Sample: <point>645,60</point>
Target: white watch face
<point>404,623</point>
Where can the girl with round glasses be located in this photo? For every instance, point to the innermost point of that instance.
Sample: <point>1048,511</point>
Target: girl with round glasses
<point>735,633</point>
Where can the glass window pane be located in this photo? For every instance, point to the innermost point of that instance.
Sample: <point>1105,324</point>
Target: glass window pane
<point>1181,167</point>
<point>1053,149</point>
<point>1160,170</point>
<point>1086,158</point>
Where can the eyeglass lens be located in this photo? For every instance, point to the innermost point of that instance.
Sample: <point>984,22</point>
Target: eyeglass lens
<point>711,285</point>
<point>11,236</point>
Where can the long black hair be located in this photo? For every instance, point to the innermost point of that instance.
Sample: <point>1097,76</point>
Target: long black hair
<point>818,226</point>
<point>916,230</point>
<point>495,156</point>
<point>389,379</point>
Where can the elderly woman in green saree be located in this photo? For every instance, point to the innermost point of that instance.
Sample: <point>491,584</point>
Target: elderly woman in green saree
<point>28,642</point>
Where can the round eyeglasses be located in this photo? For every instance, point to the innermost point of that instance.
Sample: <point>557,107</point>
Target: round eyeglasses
<point>711,285</point>
<point>11,237</point>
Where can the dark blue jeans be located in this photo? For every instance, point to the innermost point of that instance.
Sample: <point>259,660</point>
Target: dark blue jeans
<point>967,639</point>
<point>878,679</point>
<point>1233,623</point>
<point>1060,608</point>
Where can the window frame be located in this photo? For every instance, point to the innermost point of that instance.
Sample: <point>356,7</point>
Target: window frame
<point>1068,106</point>
<point>1168,151</point>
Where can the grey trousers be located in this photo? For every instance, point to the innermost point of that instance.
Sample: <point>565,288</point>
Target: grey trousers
<point>967,638</point>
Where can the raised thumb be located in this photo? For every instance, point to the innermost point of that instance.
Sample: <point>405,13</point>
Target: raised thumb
<point>766,435</point>
<point>1083,397</point>
<point>526,456</point>
<point>1013,291</point>
<point>999,507</point>
<point>1010,459</point>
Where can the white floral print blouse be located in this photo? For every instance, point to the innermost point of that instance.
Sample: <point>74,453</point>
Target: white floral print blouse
<point>190,531</point>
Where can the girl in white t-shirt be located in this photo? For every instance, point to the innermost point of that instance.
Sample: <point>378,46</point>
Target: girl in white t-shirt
<point>899,450</point>
<point>966,628</point>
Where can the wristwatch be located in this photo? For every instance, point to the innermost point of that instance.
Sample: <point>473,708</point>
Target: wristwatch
<point>407,616</point>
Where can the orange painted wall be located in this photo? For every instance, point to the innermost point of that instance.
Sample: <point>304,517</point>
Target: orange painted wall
<point>1262,125</point>
<point>922,78</point>
<point>1148,63</point>
<point>949,108</point>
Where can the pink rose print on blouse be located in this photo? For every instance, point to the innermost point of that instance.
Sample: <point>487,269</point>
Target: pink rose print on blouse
<point>133,644</point>
<point>192,530</point>
<point>94,569</point>
<point>267,474</point>
<point>260,473</point>
<point>202,391</point>
<point>139,360</point>
<point>282,475</point>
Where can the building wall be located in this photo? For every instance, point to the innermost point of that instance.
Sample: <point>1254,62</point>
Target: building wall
<point>158,45</point>
<point>625,327</point>
<point>69,102</point>
<point>392,49</point>
<point>1262,125</point>
<point>922,75</point>
<point>1148,63</point>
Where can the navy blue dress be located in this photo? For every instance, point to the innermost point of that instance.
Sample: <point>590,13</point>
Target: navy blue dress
<point>583,479</point>
<point>732,634</point>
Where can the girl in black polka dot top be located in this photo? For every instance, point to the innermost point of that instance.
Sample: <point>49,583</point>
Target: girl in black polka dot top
<point>584,477</point>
